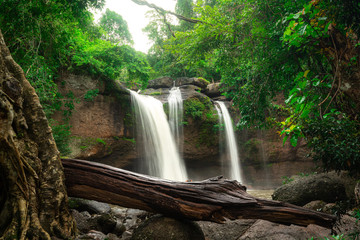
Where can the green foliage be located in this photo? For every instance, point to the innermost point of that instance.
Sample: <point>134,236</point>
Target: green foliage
<point>115,27</point>
<point>335,141</point>
<point>194,107</point>
<point>91,94</point>
<point>333,237</point>
<point>62,136</point>
<point>49,37</point>
<point>132,140</point>
<point>99,140</point>
<point>286,180</point>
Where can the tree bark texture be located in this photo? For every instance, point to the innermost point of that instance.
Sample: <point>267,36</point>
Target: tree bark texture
<point>33,200</point>
<point>214,199</point>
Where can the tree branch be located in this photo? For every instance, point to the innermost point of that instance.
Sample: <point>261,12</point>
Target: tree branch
<point>164,12</point>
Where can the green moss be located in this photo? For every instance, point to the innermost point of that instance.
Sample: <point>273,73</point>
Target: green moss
<point>202,111</point>
<point>155,93</point>
<point>194,108</point>
<point>129,139</point>
<point>201,78</point>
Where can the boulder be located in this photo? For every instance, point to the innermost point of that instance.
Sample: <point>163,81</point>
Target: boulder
<point>200,82</point>
<point>83,221</point>
<point>328,187</point>
<point>317,205</point>
<point>213,90</point>
<point>230,230</point>
<point>90,206</point>
<point>162,82</point>
<point>272,231</point>
<point>106,223</point>
<point>159,227</point>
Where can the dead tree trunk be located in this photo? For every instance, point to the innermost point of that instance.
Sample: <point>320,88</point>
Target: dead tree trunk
<point>214,200</point>
<point>33,200</point>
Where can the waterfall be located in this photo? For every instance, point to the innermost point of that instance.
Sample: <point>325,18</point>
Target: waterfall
<point>235,172</point>
<point>154,137</point>
<point>176,115</point>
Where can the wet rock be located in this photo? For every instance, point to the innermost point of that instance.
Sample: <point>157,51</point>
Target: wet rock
<point>112,236</point>
<point>162,82</point>
<point>163,228</point>
<point>213,90</point>
<point>92,235</point>
<point>106,223</point>
<point>89,206</point>
<point>134,217</point>
<point>347,225</point>
<point>231,230</point>
<point>327,187</point>
<point>317,205</point>
<point>329,208</point>
<point>200,82</point>
<point>82,221</point>
<point>271,231</point>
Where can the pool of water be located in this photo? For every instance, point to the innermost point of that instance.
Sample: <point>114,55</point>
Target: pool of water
<point>265,194</point>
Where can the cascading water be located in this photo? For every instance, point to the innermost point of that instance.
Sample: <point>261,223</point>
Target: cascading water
<point>235,172</point>
<point>154,135</point>
<point>176,115</point>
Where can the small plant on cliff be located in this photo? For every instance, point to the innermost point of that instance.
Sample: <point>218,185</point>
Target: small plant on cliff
<point>99,140</point>
<point>91,94</point>
<point>286,180</point>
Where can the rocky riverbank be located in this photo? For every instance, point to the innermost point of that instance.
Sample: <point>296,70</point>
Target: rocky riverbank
<point>102,221</point>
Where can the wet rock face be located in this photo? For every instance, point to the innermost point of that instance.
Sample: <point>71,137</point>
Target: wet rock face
<point>266,160</point>
<point>102,128</point>
<point>160,227</point>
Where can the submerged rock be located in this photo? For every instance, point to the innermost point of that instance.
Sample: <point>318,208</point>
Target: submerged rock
<point>164,228</point>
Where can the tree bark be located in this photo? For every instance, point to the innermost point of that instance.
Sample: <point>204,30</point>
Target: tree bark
<point>33,201</point>
<point>214,199</point>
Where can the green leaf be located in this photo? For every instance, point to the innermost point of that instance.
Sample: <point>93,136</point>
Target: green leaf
<point>294,140</point>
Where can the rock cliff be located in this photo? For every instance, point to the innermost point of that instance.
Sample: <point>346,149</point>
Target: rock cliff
<point>103,130</point>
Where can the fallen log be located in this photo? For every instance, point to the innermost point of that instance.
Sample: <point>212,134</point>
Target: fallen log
<point>215,199</point>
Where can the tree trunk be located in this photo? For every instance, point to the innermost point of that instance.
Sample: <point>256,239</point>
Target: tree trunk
<point>211,200</point>
<point>33,201</point>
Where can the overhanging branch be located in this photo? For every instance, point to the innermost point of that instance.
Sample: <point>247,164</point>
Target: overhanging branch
<point>164,12</point>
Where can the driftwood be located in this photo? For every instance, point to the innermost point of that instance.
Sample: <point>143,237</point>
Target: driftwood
<point>215,199</point>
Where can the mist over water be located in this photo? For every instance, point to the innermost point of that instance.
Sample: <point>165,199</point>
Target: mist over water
<point>156,143</point>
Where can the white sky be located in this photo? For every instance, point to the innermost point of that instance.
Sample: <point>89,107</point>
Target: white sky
<point>135,16</point>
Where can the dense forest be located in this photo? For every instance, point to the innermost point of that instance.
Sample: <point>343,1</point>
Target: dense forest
<point>290,65</point>
<point>293,66</point>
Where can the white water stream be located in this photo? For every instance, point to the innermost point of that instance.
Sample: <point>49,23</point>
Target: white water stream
<point>176,115</point>
<point>235,172</point>
<point>161,155</point>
